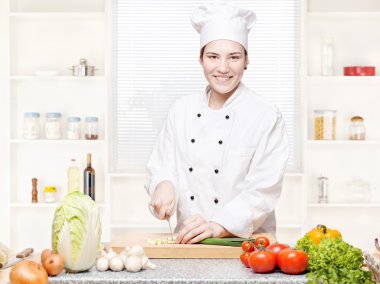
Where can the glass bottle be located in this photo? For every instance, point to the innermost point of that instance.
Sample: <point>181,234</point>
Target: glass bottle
<point>31,128</point>
<point>323,189</point>
<point>357,128</point>
<point>91,128</point>
<point>327,56</point>
<point>53,125</point>
<point>73,177</point>
<point>89,179</point>
<point>73,128</point>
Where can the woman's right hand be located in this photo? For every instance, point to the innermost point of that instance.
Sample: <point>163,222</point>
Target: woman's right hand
<point>163,200</point>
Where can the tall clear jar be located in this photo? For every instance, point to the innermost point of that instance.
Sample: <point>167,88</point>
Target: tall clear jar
<point>73,128</point>
<point>31,127</point>
<point>53,125</point>
<point>91,128</point>
<point>324,124</point>
<point>327,56</point>
<point>357,128</point>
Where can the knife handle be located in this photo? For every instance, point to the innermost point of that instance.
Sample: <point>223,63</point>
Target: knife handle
<point>25,253</point>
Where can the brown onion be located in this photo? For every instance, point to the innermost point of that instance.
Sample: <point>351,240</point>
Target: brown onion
<point>28,272</point>
<point>45,253</point>
<point>54,264</point>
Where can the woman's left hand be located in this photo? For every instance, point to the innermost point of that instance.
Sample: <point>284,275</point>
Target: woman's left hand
<point>196,229</point>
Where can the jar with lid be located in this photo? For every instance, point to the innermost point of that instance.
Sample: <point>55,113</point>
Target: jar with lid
<point>53,125</point>
<point>73,128</point>
<point>357,128</point>
<point>49,194</point>
<point>31,128</point>
<point>324,124</point>
<point>91,128</point>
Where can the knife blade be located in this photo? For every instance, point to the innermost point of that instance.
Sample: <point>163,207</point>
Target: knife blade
<point>170,228</point>
<point>19,257</point>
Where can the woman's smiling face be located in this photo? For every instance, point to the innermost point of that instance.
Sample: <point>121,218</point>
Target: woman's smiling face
<point>223,63</point>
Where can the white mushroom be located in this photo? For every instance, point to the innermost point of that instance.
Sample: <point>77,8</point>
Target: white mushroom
<point>133,263</point>
<point>116,263</point>
<point>110,254</point>
<point>101,264</point>
<point>147,264</point>
<point>136,251</point>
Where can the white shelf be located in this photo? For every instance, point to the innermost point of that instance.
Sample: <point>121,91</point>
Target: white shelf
<point>41,205</point>
<point>343,79</point>
<point>56,15</point>
<point>51,78</point>
<point>344,205</point>
<point>344,142</point>
<point>343,15</point>
<point>60,141</point>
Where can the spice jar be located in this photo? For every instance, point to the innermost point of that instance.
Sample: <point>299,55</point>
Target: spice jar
<point>73,128</point>
<point>91,128</point>
<point>324,124</point>
<point>323,183</point>
<point>31,129</point>
<point>49,194</point>
<point>358,191</point>
<point>357,128</point>
<point>53,125</point>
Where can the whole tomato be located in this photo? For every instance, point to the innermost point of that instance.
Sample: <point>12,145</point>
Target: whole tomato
<point>244,258</point>
<point>292,261</point>
<point>247,246</point>
<point>276,248</point>
<point>262,241</point>
<point>262,261</point>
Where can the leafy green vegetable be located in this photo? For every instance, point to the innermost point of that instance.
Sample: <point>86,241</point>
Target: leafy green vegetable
<point>232,242</point>
<point>76,231</point>
<point>334,261</point>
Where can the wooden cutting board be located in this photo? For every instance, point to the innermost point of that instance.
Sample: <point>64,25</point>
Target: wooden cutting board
<point>178,250</point>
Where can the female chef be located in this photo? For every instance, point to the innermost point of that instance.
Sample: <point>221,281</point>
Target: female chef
<point>220,157</point>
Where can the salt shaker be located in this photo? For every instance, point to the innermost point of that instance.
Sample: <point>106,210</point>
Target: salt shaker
<point>323,189</point>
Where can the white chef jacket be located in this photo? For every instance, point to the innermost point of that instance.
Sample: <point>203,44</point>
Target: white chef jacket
<point>227,164</point>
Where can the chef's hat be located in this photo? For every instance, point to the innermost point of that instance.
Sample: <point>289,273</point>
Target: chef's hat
<point>220,20</point>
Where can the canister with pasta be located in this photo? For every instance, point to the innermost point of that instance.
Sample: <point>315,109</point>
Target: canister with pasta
<point>324,124</point>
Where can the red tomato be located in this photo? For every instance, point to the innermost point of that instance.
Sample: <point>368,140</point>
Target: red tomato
<point>244,258</point>
<point>276,248</point>
<point>292,261</point>
<point>262,261</point>
<point>263,241</point>
<point>247,246</point>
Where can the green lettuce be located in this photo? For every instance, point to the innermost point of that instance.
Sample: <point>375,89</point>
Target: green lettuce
<point>334,261</point>
<point>76,231</point>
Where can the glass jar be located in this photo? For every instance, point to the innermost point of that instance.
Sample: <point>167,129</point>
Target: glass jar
<point>358,191</point>
<point>31,128</point>
<point>53,125</point>
<point>324,124</point>
<point>357,128</point>
<point>49,194</point>
<point>73,128</point>
<point>91,128</point>
<point>327,56</point>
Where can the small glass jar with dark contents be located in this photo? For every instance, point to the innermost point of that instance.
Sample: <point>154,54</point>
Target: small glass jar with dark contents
<point>91,128</point>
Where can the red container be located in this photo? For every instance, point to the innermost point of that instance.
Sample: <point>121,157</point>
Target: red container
<point>359,71</point>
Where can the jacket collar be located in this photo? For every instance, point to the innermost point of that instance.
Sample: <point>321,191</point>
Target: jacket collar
<point>232,98</point>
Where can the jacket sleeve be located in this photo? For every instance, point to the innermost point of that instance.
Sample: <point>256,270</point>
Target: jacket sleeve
<point>245,213</point>
<point>162,165</point>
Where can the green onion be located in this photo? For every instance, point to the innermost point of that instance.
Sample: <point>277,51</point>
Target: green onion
<point>231,242</point>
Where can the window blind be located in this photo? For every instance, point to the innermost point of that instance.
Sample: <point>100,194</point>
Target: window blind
<point>155,55</point>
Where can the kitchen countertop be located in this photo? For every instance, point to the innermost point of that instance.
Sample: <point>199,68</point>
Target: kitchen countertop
<point>170,271</point>
<point>190,271</point>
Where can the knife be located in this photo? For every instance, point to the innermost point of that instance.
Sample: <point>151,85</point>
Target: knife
<point>19,257</point>
<point>170,228</point>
